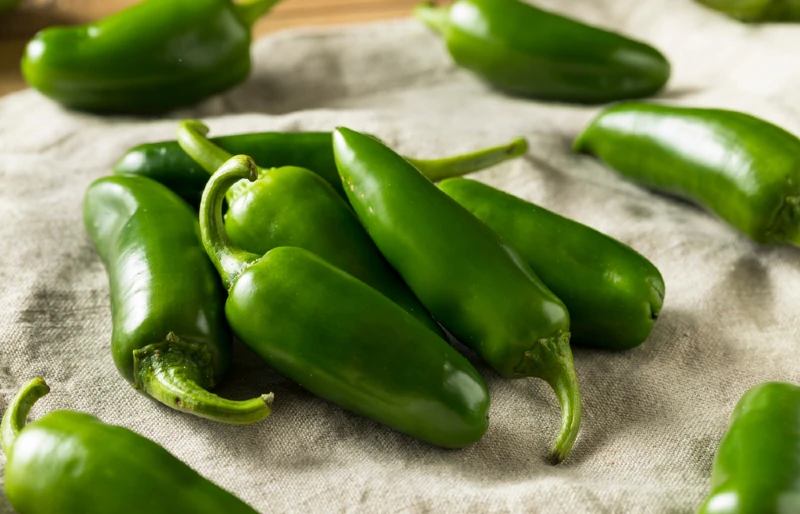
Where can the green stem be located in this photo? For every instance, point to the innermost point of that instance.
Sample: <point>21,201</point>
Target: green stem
<point>251,10</point>
<point>192,137</point>
<point>434,17</point>
<point>177,374</point>
<point>229,259</point>
<point>16,414</point>
<point>551,360</point>
<point>440,169</point>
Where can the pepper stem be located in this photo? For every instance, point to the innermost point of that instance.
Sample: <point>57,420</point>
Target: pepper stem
<point>229,259</point>
<point>432,16</point>
<point>456,166</point>
<point>192,137</point>
<point>17,412</point>
<point>551,361</point>
<point>177,373</point>
<point>251,10</point>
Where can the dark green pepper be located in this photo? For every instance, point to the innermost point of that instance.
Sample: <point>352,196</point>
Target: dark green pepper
<point>474,285</point>
<point>745,170</point>
<point>72,463</point>
<point>757,466</point>
<point>162,284</point>
<point>167,163</point>
<point>531,52</point>
<point>613,294</point>
<point>155,56</point>
<point>338,337</point>
<point>757,10</point>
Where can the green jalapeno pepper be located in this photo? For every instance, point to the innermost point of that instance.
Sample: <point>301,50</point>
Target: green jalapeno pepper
<point>152,57</point>
<point>170,338</point>
<point>613,294</point>
<point>167,163</point>
<point>745,170</point>
<point>757,466</point>
<point>757,10</point>
<point>531,52</point>
<point>292,206</point>
<point>338,337</point>
<point>474,285</point>
<point>72,463</point>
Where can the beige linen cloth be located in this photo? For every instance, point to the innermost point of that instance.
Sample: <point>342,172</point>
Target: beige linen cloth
<point>653,416</point>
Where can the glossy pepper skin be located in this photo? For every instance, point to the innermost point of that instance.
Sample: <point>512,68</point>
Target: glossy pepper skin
<point>72,463</point>
<point>530,52</point>
<point>757,10</point>
<point>167,163</point>
<point>291,206</point>
<point>743,169</point>
<point>478,288</point>
<point>338,337</point>
<point>613,293</point>
<point>757,466</point>
<point>170,338</point>
<point>153,57</point>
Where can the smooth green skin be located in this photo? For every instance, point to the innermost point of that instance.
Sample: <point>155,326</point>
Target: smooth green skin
<point>757,466</point>
<point>8,5</point>
<point>293,206</point>
<point>153,57</point>
<point>743,169</point>
<point>167,163</point>
<point>474,285</point>
<point>339,338</point>
<point>757,10</point>
<point>170,338</point>
<point>613,293</point>
<point>72,463</point>
<point>531,52</point>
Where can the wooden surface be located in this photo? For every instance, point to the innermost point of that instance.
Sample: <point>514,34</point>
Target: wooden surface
<point>18,26</point>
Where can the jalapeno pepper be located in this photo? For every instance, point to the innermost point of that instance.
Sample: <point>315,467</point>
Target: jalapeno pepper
<point>338,337</point>
<point>757,10</point>
<point>531,52</point>
<point>745,170</point>
<point>152,57</point>
<point>167,163</point>
<point>170,338</point>
<point>474,285</point>
<point>70,462</point>
<point>613,294</point>
<point>757,466</point>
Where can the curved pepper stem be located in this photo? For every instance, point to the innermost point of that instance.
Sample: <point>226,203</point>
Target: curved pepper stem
<point>16,414</point>
<point>552,361</point>
<point>433,16</point>
<point>192,138</point>
<point>448,167</point>
<point>251,10</point>
<point>229,259</point>
<point>178,374</point>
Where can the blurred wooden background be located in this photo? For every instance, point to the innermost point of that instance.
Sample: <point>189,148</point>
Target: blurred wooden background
<point>18,26</point>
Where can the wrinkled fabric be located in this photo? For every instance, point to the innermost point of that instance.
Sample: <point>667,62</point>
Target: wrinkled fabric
<point>653,416</point>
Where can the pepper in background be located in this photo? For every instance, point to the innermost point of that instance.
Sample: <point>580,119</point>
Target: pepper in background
<point>8,5</point>
<point>339,338</point>
<point>757,466</point>
<point>474,285</point>
<point>743,169</point>
<point>527,51</point>
<point>167,163</point>
<point>153,57</point>
<point>72,463</point>
<point>757,10</point>
<point>613,293</point>
<point>293,206</point>
<point>170,338</point>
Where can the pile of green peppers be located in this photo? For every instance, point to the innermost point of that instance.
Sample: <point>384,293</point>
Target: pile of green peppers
<point>347,267</point>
